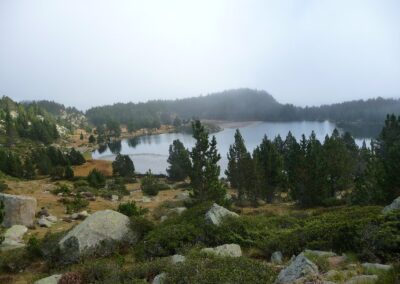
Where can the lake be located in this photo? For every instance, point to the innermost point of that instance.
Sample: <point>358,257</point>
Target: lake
<point>151,152</point>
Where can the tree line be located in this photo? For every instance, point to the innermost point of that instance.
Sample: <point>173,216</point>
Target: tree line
<point>310,172</point>
<point>245,105</point>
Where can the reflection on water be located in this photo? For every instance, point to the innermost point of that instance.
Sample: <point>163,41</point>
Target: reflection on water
<point>151,152</point>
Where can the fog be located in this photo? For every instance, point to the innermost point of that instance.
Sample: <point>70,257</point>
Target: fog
<point>95,52</point>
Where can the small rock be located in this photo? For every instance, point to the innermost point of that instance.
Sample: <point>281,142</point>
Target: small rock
<point>43,222</point>
<point>363,279</point>
<point>49,280</point>
<point>52,218</point>
<point>276,257</point>
<point>74,216</point>
<point>160,278</point>
<point>217,213</point>
<point>163,218</point>
<point>178,210</point>
<point>114,198</point>
<point>301,266</point>
<point>43,212</point>
<point>227,250</point>
<point>183,196</point>
<point>395,205</point>
<point>376,266</point>
<point>320,253</point>
<point>84,214</point>
<point>146,199</point>
<point>177,258</point>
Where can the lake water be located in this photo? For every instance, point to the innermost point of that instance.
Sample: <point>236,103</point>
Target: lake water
<point>151,152</point>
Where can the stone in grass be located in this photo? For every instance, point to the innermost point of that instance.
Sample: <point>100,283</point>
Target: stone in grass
<point>177,258</point>
<point>395,205</point>
<point>363,279</point>
<point>160,278</point>
<point>227,250</point>
<point>43,222</point>
<point>376,266</point>
<point>300,267</point>
<point>97,234</point>
<point>53,279</point>
<point>276,257</point>
<point>217,213</point>
<point>13,238</point>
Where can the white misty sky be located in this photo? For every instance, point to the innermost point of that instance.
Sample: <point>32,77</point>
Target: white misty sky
<point>93,52</point>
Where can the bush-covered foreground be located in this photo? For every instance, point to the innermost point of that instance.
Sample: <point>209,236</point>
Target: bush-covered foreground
<point>362,233</point>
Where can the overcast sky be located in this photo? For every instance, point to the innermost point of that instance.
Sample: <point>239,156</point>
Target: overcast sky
<point>93,52</point>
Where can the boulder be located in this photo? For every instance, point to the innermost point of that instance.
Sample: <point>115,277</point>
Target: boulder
<point>227,250</point>
<point>160,278</point>
<point>300,267</point>
<point>52,219</point>
<point>363,279</point>
<point>395,205</point>
<point>276,257</point>
<point>13,238</point>
<point>177,258</point>
<point>18,209</point>
<point>53,279</point>
<point>217,213</point>
<point>376,266</point>
<point>96,235</point>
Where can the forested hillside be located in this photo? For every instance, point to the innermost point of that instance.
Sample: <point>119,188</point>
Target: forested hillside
<point>247,104</point>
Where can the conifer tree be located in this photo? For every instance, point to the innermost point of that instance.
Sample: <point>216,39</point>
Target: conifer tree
<point>179,161</point>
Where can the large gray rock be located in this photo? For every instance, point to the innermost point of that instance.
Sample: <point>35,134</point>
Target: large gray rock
<point>18,209</point>
<point>217,213</point>
<point>300,267</point>
<point>227,250</point>
<point>53,279</point>
<point>395,205</point>
<point>97,234</point>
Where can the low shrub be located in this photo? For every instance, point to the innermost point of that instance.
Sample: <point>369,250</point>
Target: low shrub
<point>3,186</point>
<point>131,209</point>
<point>150,184</point>
<point>96,179</point>
<point>14,261</point>
<point>74,205</point>
<point>63,188</point>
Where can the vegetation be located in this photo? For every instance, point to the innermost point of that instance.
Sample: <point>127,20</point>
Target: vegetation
<point>204,175</point>
<point>130,209</point>
<point>96,179</point>
<point>123,166</point>
<point>150,184</point>
<point>179,161</point>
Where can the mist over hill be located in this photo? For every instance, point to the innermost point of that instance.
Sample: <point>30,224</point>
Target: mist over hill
<point>362,117</point>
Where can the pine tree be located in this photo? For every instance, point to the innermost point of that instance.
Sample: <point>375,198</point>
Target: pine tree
<point>269,169</point>
<point>179,161</point>
<point>68,172</point>
<point>240,172</point>
<point>81,136</point>
<point>205,171</point>
<point>123,166</point>
<point>29,169</point>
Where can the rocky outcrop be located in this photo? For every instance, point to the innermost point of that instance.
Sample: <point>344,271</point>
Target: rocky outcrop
<point>217,213</point>
<point>395,205</point>
<point>18,209</point>
<point>227,250</point>
<point>300,267</point>
<point>97,234</point>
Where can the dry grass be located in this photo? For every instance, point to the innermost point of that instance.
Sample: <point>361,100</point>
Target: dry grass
<point>103,166</point>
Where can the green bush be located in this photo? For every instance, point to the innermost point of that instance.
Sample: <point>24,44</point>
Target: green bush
<point>212,269</point>
<point>74,205</point>
<point>131,209</point>
<point>150,184</point>
<point>3,186</point>
<point>14,260</point>
<point>63,188</point>
<point>96,179</point>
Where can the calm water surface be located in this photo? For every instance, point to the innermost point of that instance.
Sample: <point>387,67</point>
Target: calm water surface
<point>151,152</point>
